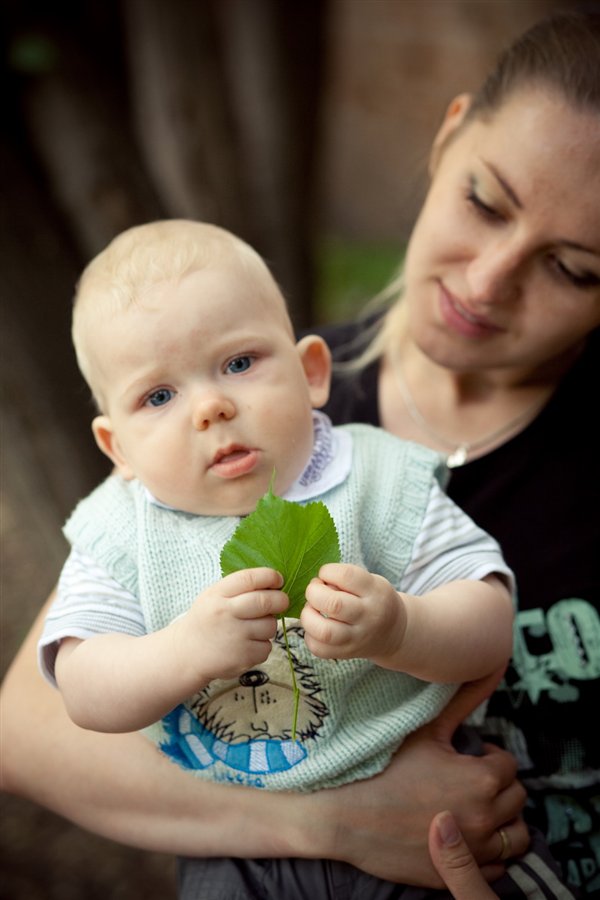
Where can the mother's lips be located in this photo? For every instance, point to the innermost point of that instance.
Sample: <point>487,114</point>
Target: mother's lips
<point>461,319</point>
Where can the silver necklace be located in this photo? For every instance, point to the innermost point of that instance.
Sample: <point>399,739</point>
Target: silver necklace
<point>459,452</point>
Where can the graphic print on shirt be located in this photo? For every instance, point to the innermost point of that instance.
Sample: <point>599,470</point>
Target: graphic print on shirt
<point>573,629</point>
<point>556,660</point>
<point>246,722</point>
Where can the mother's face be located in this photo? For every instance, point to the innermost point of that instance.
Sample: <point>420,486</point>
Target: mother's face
<point>503,267</point>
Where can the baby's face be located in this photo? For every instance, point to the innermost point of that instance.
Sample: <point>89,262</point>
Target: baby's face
<point>206,392</point>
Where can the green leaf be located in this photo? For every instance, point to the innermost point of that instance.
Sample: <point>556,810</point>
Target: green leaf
<point>296,540</point>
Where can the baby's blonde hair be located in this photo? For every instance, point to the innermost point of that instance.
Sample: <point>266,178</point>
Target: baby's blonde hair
<point>144,256</point>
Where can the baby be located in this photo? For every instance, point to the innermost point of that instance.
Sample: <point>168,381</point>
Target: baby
<point>203,393</point>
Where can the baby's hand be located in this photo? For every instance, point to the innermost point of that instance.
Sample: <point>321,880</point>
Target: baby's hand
<point>351,613</point>
<point>230,625</point>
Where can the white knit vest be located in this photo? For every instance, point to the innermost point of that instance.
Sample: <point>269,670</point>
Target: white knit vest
<point>352,714</point>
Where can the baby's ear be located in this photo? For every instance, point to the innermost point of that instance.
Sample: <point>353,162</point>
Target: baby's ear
<point>105,438</point>
<point>316,362</point>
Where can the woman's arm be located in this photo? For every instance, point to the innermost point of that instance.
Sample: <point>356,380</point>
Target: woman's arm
<point>101,782</point>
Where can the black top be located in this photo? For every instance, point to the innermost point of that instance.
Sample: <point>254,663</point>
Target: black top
<point>539,496</point>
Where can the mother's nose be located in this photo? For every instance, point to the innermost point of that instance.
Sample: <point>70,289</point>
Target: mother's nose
<point>211,408</point>
<point>496,275</point>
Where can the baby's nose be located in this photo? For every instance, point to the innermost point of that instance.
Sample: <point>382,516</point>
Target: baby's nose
<point>211,409</point>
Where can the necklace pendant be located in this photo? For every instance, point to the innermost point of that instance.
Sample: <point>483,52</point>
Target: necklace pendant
<point>458,457</point>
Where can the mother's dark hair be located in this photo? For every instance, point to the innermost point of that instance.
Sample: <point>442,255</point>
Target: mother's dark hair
<point>561,52</point>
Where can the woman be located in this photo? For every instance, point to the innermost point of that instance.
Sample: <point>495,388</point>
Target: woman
<point>489,357</point>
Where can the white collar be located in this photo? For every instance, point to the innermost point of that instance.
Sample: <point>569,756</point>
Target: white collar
<point>328,466</point>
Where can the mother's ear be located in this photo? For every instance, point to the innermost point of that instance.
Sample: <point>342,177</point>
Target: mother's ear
<point>316,361</point>
<point>455,116</point>
<point>108,443</point>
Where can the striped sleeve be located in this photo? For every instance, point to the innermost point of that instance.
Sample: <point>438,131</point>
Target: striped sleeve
<point>89,602</point>
<point>451,546</point>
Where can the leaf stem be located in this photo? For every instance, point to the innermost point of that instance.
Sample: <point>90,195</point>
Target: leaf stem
<point>294,683</point>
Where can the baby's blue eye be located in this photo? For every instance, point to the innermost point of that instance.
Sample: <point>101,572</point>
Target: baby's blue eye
<point>239,364</point>
<point>159,397</point>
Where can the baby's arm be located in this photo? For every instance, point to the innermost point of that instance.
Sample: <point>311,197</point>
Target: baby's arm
<point>119,683</point>
<point>457,632</point>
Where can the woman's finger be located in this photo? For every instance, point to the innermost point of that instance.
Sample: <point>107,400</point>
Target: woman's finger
<point>468,698</point>
<point>512,839</point>
<point>454,862</point>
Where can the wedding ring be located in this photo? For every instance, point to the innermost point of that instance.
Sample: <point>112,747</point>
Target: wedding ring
<point>506,849</point>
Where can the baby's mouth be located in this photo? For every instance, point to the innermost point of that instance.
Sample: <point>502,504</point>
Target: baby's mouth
<point>233,461</point>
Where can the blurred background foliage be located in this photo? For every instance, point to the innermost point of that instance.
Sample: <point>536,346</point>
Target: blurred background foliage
<point>303,125</point>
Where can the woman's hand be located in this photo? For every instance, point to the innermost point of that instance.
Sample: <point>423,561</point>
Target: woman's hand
<point>454,862</point>
<point>381,825</point>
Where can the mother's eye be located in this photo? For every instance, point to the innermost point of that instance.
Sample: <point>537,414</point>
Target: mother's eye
<point>583,280</point>
<point>159,397</point>
<point>473,194</point>
<point>487,212</point>
<point>238,364</point>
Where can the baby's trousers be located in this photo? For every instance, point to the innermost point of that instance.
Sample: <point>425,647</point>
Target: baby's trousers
<point>532,876</point>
